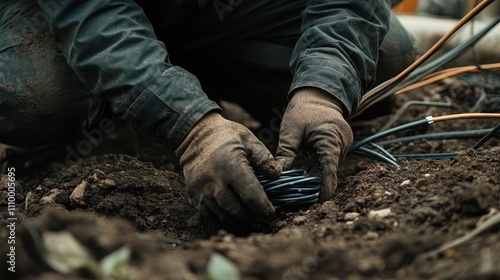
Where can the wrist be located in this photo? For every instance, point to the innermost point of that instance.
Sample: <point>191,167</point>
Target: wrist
<point>318,96</point>
<point>199,129</point>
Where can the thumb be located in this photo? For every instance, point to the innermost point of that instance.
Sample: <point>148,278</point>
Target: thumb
<point>262,160</point>
<point>288,147</point>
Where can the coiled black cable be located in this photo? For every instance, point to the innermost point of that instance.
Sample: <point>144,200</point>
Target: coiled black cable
<point>291,188</point>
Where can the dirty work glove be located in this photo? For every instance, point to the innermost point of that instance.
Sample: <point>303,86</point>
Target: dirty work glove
<point>314,118</point>
<point>218,158</point>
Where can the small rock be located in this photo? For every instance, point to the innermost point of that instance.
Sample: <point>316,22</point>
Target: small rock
<point>371,235</point>
<point>227,238</point>
<point>6,189</point>
<point>50,196</point>
<point>169,167</point>
<point>297,232</point>
<point>405,182</point>
<point>427,214</point>
<point>351,216</point>
<point>195,220</point>
<point>79,192</point>
<point>427,175</point>
<point>329,210</point>
<point>100,181</point>
<point>299,220</point>
<point>379,214</point>
<point>349,223</point>
<point>370,265</point>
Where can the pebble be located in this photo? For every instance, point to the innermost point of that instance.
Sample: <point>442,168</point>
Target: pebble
<point>50,196</point>
<point>371,235</point>
<point>78,193</point>
<point>329,210</point>
<point>379,214</point>
<point>351,216</point>
<point>405,182</point>
<point>299,220</point>
<point>370,265</point>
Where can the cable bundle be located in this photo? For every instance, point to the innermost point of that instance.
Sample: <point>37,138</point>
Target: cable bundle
<point>291,188</point>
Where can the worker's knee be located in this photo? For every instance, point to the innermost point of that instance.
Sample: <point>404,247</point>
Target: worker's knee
<point>41,99</point>
<point>397,51</point>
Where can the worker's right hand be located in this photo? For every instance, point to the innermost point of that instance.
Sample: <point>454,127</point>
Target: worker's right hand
<point>218,158</point>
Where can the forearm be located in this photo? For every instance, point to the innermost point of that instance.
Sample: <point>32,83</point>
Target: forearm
<point>338,50</point>
<point>113,50</point>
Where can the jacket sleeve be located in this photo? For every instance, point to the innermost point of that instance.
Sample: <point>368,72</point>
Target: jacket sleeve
<point>338,49</point>
<point>111,46</point>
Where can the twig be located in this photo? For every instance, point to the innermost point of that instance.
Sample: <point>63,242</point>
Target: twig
<point>494,220</point>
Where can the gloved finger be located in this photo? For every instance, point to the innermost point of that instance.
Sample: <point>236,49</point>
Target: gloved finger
<point>329,178</point>
<point>261,159</point>
<point>211,211</point>
<point>327,146</point>
<point>229,202</point>
<point>248,188</point>
<point>290,139</point>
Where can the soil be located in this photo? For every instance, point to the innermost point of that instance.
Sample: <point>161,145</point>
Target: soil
<point>383,222</point>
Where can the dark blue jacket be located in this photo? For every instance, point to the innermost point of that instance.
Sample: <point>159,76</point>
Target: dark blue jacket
<point>113,49</point>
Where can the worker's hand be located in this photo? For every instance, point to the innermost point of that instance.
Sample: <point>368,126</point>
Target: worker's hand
<point>314,118</point>
<point>218,159</point>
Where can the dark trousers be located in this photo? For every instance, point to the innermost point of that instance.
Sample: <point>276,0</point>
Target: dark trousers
<point>239,54</point>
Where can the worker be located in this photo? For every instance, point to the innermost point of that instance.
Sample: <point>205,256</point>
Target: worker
<point>161,64</point>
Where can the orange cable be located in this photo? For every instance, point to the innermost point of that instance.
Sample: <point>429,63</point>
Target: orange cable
<point>433,49</point>
<point>437,76</point>
<point>467,116</point>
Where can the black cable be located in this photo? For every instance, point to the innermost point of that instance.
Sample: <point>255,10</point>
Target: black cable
<point>383,151</point>
<point>362,151</point>
<point>391,131</point>
<point>433,156</point>
<point>436,136</point>
<point>291,188</point>
<point>486,137</point>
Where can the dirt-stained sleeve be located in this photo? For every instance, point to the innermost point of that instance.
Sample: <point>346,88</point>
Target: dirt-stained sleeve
<point>338,49</point>
<point>111,46</point>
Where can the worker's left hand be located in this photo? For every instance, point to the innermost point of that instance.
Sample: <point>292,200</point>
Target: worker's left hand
<point>314,118</point>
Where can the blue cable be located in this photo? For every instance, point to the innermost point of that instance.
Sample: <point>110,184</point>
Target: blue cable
<point>291,188</point>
